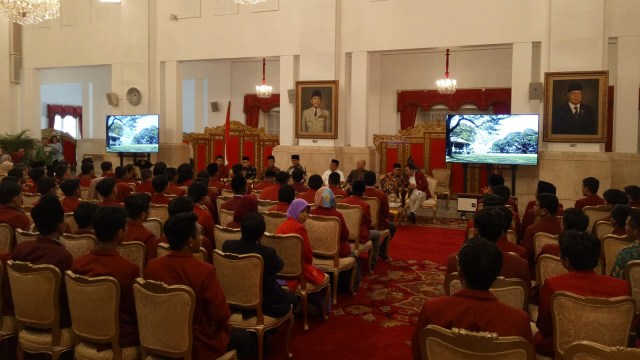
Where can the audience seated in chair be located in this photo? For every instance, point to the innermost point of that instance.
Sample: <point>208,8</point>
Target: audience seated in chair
<point>84,216</point>
<point>271,193</point>
<point>197,193</point>
<point>297,181</point>
<point>46,249</point>
<point>275,301</point>
<point>590,186</point>
<point>212,336</point>
<point>268,180</point>
<point>107,169</point>
<point>631,252</point>
<point>327,207</point>
<point>146,183</point>
<point>107,189</point>
<point>214,180</point>
<point>417,184</point>
<point>383,213</point>
<point>489,225</point>
<point>11,206</point>
<point>110,224</point>
<point>246,206</point>
<point>334,184</point>
<point>545,209</point>
<point>633,193</point>
<point>579,253</point>
<point>137,206</point>
<point>529,216</point>
<point>184,204</point>
<point>71,190</point>
<point>286,195</point>
<point>160,184</point>
<point>474,307</point>
<point>572,220</point>
<point>315,183</point>
<point>239,186</point>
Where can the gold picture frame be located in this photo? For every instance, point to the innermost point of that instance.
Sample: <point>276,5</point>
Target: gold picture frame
<point>317,109</point>
<point>575,106</point>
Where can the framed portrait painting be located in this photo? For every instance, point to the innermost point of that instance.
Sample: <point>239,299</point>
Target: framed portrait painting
<point>575,106</point>
<point>317,109</point>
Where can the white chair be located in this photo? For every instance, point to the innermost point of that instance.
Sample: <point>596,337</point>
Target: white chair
<point>611,246</point>
<point>273,219</point>
<point>443,177</point>
<point>222,234</point>
<point>432,202</point>
<point>159,211</point>
<point>352,215</point>
<point>541,239</point>
<point>7,236</point>
<point>155,226</point>
<point>78,245</point>
<point>595,214</point>
<point>226,216</point>
<point>602,228</point>
<point>22,235</point>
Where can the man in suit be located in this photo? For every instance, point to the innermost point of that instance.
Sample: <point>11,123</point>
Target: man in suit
<point>419,190</point>
<point>316,119</point>
<point>574,117</point>
<point>248,169</point>
<point>275,301</point>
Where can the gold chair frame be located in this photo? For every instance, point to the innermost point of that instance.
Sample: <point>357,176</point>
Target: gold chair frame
<point>499,289</point>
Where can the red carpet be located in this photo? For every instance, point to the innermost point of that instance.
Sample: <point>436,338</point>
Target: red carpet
<point>378,322</point>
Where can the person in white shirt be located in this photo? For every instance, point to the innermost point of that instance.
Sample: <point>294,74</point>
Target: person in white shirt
<point>333,167</point>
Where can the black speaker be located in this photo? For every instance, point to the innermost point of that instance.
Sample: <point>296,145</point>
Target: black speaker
<point>214,106</point>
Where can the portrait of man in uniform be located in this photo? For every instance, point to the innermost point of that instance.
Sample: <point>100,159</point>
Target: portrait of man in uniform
<point>316,109</point>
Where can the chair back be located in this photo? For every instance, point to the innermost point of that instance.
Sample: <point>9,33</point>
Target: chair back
<point>241,279</point>
<point>29,199</point>
<point>92,194</point>
<point>442,176</point>
<point>164,248</point>
<point>265,205</point>
<point>219,201</point>
<point>589,350</point>
<point>84,193</point>
<point>94,306</point>
<point>159,211</point>
<point>324,235</point>
<point>226,216</point>
<point>78,245</point>
<point>374,204</point>
<point>165,318</point>
<point>134,251</point>
<point>541,239</point>
<point>632,274</point>
<point>7,235</point>
<point>611,246</point>
<point>437,343</point>
<point>222,234</point>
<point>273,219</point>
<point>226,192</point>
<point>155,226</point>
<point>512,236</point>
<point>432,185</point>
<point>70,222</point>
<point>353,217</point>
<point>548,266</point>
<point>35,290</point>
<point>289,249</point>
<point>595,214</point>
<point>602,228</point>
<point>22,236</point>
<point>606,321</point>
<point>513,292</point>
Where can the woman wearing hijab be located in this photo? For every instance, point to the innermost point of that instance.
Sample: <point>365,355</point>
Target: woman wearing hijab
<point>327,207</point>
<point>246,206</point>
<point>296,216</point>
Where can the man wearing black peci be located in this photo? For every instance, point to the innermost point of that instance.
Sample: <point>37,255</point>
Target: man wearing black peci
<point>574,117</point>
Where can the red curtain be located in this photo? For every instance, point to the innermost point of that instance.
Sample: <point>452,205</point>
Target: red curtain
<point>253,104</point>
<point>408,116</point>
<point>501,109</point>
<point>62,111</point>
<point>499,98</point>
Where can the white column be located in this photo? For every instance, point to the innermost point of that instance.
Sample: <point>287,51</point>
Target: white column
<point>198,106</point>
<point>358,106</point>
<point>31,106</point>
<point>172,119</point>
<point>625,127</point>
<point>521,62</point>
<point>288,75</point>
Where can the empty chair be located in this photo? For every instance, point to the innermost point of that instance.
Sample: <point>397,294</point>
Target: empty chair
<point>604,321</point>
<point>589,350</point>
<point>273,219</point>
<point>94,305</point>
<point>22,235</point>
<point>443,177</point>
<point>223,234</point>
<point>7,236</point>
<point>35,289</point>
<point>135,252</point>
<point>241,279</point>
<point>155,226</point>
<point>159,211</point>
<point>514,292</point>
<point>289,249</point>
<point>437,343</point>
<point>78,245</point>
<point>432,202</point>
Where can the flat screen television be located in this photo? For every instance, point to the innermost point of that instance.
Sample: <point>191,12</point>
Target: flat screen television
<point>492,139</point>
<point>133,133</point>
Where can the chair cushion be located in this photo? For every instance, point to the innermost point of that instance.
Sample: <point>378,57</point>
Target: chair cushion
<point>9,327</point>
<point>327,264</point>
<point>39,338</point>
<point>362,247</point>
<point>88,351</point>
<point>237,320</point>
<point>429,203</point>
<point>312,288</point>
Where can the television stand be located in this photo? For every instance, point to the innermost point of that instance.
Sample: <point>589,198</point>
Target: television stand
<point>135,157</point>
<point>514,169</point>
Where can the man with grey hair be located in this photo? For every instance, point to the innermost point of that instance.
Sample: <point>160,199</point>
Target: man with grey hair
<point>358,172</point>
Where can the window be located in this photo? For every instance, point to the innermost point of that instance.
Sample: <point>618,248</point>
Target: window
<point>272,121</point>
<point>69,125</point>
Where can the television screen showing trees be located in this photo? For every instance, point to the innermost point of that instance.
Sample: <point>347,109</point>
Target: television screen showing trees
<point>492,139</point>
<point>132,133</point>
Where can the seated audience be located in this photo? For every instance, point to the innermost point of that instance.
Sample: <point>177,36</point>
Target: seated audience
<point>214,180</point>
<point>173,188</point>
<point>333,168</point>
<point>239,186</point>
<point>184,204</point>
<point>197,193</point>
<point>545,209</point>
<point>315,183</point>
<point>71,190</point>
<point>137,206</point>
<point>185,175</point>
<point>357,173</point>
<point>286,195</point>
<point>631,252</point>
<point>327,207</point>
<point>275,301</point>
<point>246,206</point>
<point>529,214</point>
<point>87,174</point>
<point>122,184</point>
<point>297,181</point>
<point>633,193</point>
<point>579,252</point>
<point>48,216</point>
<point>268,180</point>
<point>61,172</point>
<point>47,186</point>
<point>271,193</point>
<point>107,169</point>
<point>334,184</point>
<point>159,168</point>
<point>107,189</point>
<point>489,224</point>
<point>159,184</point>
<point>110,224</point>
<point>619,215</point>
<point>11,206</point>
<point>572,220</point>
<point>145,184</point>
<point>212,335</point>
<point>590,186</point>
<point>35,174</point>
<point>503,243</point>
<point>84,216</point>
<point>474,307</point>
<point>296,216</point>
<point>383,212</point>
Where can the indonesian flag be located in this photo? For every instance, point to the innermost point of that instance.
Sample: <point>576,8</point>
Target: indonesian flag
<point>227,137</point>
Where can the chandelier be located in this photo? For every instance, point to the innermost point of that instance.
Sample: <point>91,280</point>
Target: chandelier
<point>26,12</point>
<point>249,2</point>
<point>446,86</point>
<point>264,90</point>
